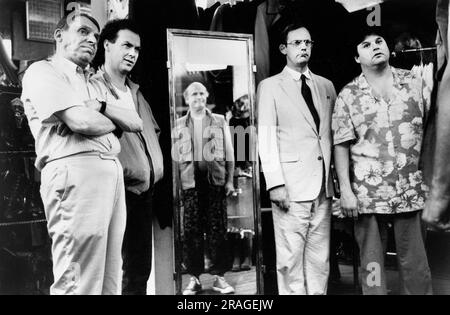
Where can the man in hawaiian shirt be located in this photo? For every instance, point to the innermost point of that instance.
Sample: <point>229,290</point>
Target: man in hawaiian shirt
<point>377,130</point>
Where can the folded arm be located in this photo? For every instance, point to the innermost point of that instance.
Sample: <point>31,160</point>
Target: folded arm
<point>83,120</point>
<point>126,119</point>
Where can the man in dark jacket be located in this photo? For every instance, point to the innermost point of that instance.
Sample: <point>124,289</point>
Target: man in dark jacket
<point>141,155</point>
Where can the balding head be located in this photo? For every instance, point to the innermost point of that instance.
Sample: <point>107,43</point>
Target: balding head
<point>195,96</point>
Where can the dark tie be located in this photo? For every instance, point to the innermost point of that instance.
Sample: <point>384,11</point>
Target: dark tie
<point>306,92</point>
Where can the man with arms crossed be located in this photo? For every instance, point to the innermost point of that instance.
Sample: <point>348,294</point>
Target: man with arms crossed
<point>82,180</point>
<point>141,156</point>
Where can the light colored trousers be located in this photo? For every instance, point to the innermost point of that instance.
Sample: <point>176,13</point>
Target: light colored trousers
<point>371,233</point>
<point>84,200</point>
<point>302,238</point>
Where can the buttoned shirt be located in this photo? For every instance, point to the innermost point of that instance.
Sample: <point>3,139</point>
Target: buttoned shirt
<point>386,138</point>
<point>309,81</point>
<point>52,86</point>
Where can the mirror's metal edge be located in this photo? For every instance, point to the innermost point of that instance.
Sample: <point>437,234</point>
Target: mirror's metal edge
<point>256,170</point>
<point>210,34</point>
<point>175,174</point>
<point>171,32</point>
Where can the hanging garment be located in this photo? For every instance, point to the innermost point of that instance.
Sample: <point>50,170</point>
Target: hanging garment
<point>266,14</point>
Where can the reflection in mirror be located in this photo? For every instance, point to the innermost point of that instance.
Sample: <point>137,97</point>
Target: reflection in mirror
<point>215,171</point>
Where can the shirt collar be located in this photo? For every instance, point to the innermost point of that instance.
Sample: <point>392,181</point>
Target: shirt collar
<point>208,114</point>
<point>399,79</point>
<point>297,75</point>
<point>102,73</point>
<point>69,67</point>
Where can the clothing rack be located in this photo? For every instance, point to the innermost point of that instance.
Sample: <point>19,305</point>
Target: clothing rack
<point>413,50</point>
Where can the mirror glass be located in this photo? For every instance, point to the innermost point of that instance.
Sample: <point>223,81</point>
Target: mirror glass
<point>215,172</point>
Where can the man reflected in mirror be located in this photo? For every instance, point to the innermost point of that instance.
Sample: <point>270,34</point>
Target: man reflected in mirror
<point>206,164</point>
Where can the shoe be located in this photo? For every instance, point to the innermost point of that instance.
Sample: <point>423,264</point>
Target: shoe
<point>245,267</point>
<point>193,287</point>
<point>236,267</point>
<point>222,286</point>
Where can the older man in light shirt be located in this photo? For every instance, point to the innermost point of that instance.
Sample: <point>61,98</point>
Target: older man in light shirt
<point>82,180</point>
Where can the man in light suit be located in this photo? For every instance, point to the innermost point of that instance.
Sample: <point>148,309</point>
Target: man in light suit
<point>295,108</point>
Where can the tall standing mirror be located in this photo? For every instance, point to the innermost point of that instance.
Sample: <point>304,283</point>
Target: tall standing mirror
<point>215,165</point>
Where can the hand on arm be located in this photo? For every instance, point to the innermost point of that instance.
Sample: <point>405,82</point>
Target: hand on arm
<point>126,119</point>
<point>62,130</point>
<point>83,120</point>
<point>349,202</point>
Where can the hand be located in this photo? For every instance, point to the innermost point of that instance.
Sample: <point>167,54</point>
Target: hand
<point>229,188</point>
<point>349,205</point>
<point>62,130</point>
<point>280,197</point>
<point>436,214</point>
<point>93,104</point>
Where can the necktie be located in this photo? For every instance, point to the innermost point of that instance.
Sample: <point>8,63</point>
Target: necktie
<point>306,92</point>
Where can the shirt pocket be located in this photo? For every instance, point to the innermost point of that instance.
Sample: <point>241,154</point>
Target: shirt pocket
<point>185,150</point>
<point>217,144</point>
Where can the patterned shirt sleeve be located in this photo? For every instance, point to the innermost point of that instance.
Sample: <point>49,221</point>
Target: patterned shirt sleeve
<point>342,125</point>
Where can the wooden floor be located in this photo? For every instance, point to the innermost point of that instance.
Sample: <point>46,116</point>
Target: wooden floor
<point>243,282</point>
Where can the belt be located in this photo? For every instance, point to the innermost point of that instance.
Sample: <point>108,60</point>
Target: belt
<point>105,156</point>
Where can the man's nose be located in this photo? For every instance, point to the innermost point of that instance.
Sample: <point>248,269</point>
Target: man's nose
<point>92,38</point>
<point>133,53</point>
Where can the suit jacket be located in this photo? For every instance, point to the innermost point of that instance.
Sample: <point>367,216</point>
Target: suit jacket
<point>291,149</point>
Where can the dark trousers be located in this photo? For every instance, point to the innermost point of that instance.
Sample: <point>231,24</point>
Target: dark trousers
<point>205,211</point>
<point>371,235</point>
<point>137,244</point>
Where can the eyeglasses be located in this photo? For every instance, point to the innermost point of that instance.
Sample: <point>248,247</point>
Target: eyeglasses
<point>297,43</point>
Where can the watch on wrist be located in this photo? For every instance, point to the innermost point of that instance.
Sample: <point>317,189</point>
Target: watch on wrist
<point>102,107</point>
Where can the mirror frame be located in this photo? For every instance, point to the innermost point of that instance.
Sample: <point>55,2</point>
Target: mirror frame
<point>248,39</point>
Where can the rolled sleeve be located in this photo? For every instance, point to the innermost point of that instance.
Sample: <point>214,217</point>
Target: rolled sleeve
<point>342,125</point>
<point>47,91</point>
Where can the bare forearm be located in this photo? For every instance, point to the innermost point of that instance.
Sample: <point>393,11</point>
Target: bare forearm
<point>230,171</point>
<point>126,119</point>
<point>342,164</point>
<point>86,121</point>
<point>99,126</point>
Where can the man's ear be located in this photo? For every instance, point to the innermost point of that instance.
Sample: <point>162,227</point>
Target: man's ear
<point>57,35</point>
<point>106,45</point>
<point>283,48</point>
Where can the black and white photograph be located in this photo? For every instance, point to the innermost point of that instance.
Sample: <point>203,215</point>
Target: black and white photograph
<point>233,150</point>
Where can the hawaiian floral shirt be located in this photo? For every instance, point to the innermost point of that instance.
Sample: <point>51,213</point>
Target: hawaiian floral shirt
<point>386,139</point>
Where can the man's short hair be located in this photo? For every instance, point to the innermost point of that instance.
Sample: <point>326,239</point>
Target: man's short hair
<point>289,28</point>
<point>190,86</point>
<point>361,33</point>
<point>109,33</point>
<point>63,24</point>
